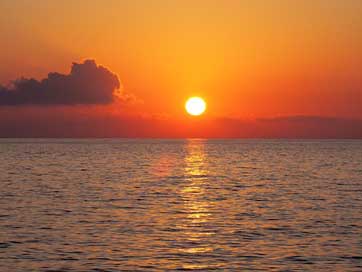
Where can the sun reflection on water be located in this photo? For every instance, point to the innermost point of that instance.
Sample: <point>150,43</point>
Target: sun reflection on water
<point>195,203</point>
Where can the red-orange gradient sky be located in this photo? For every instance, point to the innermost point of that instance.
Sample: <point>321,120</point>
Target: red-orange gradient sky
<point>266,68</point>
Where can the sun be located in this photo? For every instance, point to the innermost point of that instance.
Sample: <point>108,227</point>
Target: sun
<point>195,106</point>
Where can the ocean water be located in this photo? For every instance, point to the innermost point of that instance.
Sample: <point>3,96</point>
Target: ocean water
<point>164,205</point>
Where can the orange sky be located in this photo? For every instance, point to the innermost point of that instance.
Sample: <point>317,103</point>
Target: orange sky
<point>248,59</point>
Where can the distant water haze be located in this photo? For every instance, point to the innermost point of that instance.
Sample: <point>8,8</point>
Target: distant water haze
<point>197,204</point>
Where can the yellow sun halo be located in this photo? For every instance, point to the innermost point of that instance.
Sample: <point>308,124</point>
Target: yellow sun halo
<point>195,105</point>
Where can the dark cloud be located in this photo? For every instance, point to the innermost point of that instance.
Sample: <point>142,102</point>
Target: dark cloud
<point>313,127</point>
<point>102,121</point>
<point>87,83</point>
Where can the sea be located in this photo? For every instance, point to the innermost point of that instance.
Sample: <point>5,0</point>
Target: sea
<point>180,205</point>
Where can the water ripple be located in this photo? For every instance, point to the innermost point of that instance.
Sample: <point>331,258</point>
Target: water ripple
<point>187,205</point>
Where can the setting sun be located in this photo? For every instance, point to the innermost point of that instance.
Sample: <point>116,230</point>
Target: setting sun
<point>167,135</point>
<point>195,106</point>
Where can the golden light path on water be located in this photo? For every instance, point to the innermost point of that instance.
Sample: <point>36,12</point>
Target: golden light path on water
<point>196,206</point>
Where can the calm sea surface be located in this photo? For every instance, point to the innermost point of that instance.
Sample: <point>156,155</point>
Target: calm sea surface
<point>156,205</point>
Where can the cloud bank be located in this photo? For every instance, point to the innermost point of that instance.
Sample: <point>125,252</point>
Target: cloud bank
<point>87,83</point>
<point>101,122</point>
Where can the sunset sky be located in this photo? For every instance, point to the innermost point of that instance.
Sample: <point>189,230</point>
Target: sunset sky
<point>265,68</point>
